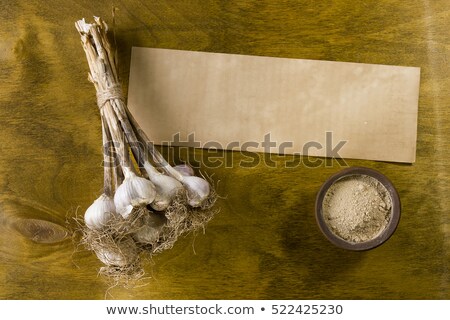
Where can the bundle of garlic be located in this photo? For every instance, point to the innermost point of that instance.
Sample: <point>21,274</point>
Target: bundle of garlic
<point>146,204</point>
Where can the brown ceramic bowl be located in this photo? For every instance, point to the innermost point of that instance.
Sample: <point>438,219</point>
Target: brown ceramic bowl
<point>383,235</point>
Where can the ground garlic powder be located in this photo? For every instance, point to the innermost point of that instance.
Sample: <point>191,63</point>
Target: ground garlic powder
<point>357,208</point>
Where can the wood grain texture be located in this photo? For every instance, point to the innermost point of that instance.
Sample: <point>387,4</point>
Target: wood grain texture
<point>264,244</point>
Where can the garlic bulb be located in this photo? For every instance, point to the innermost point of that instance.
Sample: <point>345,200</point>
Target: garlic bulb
<point>184,169</point>
<point>166,187</point>
<point>125,253</point>
<point>133,192</point>
<point>197,190</point>
<point>100,212</point>
<point>152,225</point>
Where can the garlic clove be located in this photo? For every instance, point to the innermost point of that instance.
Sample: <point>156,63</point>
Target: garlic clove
<point>197,190</point>
<point>184,169</point>
<point>100,212</point>
<point>133,192</point>
<point>152,225</point>
<point>125,253</point>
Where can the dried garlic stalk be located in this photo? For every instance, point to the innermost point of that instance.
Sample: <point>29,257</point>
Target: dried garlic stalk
<point>142,209</point>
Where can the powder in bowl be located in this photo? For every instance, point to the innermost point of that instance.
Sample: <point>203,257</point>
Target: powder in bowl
<point>357,208</point>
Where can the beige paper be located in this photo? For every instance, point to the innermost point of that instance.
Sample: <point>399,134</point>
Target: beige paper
<point>234,101</point>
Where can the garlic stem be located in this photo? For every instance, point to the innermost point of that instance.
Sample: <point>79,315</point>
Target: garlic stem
<point>184,169</point>
<point>103,209</point>
<point>166,186</point>
<point>134,190</point>
<point>107,165</point>
<point>104,76</point>
<point>113,125</point>
<point>137,149</point>
<point>197,188</point>
<point>156,155</point>
<point>109,148</point>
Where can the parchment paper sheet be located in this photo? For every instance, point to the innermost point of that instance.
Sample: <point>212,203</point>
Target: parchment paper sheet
<point>235,101</point>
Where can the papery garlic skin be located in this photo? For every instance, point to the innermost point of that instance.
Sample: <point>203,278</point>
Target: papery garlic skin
<point>124,254</point>
<point>133,192</point>
<point>100,212</point>
<point>197,188</point>
<point>184,169</point>
<point>166,188</point>
<point>152,225</point>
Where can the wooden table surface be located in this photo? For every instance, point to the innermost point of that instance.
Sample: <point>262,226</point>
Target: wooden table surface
<point>264,244</point>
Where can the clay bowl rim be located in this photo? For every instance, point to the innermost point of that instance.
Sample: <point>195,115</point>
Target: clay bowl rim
<point>384,235</point>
